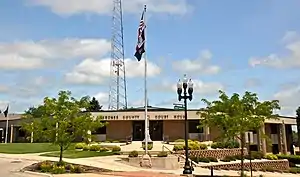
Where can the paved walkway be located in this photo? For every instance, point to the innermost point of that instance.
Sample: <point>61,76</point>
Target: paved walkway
<point>113,163</point>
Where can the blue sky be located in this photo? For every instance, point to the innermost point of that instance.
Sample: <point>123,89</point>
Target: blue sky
<point>51,45</point>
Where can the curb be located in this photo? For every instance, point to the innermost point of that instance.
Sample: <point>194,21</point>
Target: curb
<point>36,173</point>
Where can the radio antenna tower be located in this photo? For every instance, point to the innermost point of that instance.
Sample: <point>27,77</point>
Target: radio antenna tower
<point>117,91</point>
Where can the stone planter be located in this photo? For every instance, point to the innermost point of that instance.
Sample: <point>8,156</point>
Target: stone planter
<point>167,163</point>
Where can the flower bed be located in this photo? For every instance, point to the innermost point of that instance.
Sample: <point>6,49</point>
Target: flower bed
<point>61,168</point>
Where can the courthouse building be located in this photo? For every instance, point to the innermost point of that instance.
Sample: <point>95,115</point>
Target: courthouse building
<point>166,124</point>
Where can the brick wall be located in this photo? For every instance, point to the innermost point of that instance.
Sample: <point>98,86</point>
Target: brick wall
<point>258,165</point>
<point>217,153</point>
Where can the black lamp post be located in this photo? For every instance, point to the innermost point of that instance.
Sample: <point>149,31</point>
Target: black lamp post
<point>187,87</point>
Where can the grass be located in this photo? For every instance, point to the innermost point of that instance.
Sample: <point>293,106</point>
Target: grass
<point>73,154</point>
<point>26,148</point>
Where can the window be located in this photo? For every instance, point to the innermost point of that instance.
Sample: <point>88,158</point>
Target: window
<point>21,132</point>
<point>193,126</point>
<point>101,130</point>
<point>274,128</point>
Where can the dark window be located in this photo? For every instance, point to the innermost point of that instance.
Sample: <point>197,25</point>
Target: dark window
<point>21,133</point>
<point>101,130</point>
<point>253,131</point>
<point>274,128</point>
<point>193,126</point>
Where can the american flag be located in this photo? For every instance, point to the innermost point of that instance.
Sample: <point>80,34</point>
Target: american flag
<point>140,46</point>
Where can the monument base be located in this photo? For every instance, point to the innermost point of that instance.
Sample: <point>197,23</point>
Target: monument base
<point>146,161</point>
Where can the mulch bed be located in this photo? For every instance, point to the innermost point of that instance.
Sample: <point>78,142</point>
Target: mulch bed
<point>86,169</point>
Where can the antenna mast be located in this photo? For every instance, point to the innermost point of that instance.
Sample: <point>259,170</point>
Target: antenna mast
<point>117,91</point>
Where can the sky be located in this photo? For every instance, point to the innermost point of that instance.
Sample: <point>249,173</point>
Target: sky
<point>51,45</point>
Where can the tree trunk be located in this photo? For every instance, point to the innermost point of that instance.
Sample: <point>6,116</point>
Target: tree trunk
<point>242,153</point>
<point>61,154</point>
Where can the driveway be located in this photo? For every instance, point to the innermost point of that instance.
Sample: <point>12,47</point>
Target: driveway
<point>11,167</point>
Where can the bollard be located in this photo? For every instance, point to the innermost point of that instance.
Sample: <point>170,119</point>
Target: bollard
<point>211,171</point>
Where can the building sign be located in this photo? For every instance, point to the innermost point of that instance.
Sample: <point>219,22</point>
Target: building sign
<point>138,117</point>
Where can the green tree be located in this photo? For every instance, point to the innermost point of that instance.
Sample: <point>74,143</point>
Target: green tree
<point>295,136</point>
<point>61,120</point>
<point>298,125</point>
<point>94,105</point>
<point>235,115</point>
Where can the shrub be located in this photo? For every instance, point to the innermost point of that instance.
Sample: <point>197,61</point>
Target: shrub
<point>271,157</point>
<point>203,159</point>
<point>257,154</point>
<point>79,145</point>
<point>216,145</point>
<point>228,158</point>
<point>95,148</point>
<point>150,146</point>
<point>86,148</point>
<point>231,144</point>
<point>116,149</point>
<point>291,158</point>
<point>77,169</point>
<point>178,147</point>
<point>58,169</point>
<point>270,169</point>
<point>179,140</point>
<point>238,157</point>
<point>62,163</point>
<point>45,166</point>
<point>104,149</point>
<point>203,146</point>
<point>193,158</point>
<point>228,144</point>
<point>133,154</point>
<point>69,167</point>
<point>294,170</point>
<point>162,154</point>
<point>107,141</point>
<point>115,141</point>
<point>212,159</point>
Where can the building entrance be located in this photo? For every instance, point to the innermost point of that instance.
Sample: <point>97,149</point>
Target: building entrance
<point>155,130</point>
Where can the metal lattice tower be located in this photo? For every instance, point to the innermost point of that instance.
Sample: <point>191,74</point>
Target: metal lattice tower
<point>117,92</point>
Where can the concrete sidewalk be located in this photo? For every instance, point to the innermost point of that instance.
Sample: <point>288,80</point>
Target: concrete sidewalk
<point>113,163</point>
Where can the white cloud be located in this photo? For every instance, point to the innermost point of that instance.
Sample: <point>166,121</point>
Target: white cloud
<point>288,99</point>
<point>92,71</point>
<point>136,69</point>
<point>36,54</point>
<point>200,87</point>
<point>102,97</point>
<point>3,105</point>
<point>199,66</point>
<point>104,7</point>
<point>291,60</point>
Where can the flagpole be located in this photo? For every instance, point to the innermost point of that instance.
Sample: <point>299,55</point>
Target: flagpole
<point>6,130</point>
<point>145,87</point>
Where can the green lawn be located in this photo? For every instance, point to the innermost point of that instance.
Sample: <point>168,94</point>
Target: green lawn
<point>77,154</point>
<point>26,148</point>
